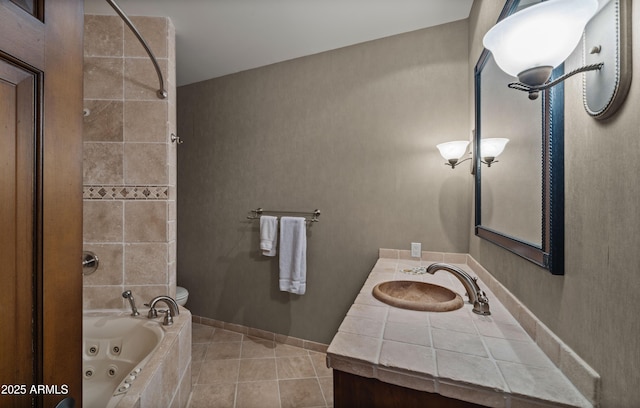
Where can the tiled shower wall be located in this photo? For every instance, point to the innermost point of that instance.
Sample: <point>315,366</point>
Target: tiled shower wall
<point>129,161</point>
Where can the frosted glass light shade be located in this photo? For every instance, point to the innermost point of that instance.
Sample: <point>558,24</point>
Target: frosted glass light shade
<point>543,35</point>
<point>492,147</point>
<point>453,150</point>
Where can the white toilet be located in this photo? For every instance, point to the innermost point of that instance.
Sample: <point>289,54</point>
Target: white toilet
<point>181,295</point>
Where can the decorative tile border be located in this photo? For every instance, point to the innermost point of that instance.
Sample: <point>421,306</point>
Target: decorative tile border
<point>90,192</point>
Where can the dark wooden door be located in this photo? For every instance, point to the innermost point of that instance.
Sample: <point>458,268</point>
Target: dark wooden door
<point>18,137</point>
<point>40,202</point>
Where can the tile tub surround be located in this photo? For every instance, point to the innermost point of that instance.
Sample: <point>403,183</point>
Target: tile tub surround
<point>489,360</point>
<point>130,167</point>
<point>165,380</point>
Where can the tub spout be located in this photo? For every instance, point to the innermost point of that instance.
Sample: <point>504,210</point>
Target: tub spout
<point>128,295</point>
<point>477,297</point>
<point>169,301</point>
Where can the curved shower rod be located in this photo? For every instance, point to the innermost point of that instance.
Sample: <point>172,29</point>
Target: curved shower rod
<point>162,93</point>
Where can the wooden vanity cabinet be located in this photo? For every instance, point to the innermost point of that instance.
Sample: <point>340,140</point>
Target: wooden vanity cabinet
<point>353,391</point>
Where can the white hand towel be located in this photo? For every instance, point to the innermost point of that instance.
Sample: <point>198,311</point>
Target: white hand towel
<point>268,235</point>
<point>293,255</point>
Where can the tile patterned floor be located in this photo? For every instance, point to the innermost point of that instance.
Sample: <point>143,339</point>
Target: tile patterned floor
<point>233,370</point>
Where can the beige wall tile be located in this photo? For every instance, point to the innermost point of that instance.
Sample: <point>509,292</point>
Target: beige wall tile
<point>586,379</point>
<point>103,221</point>
<point>154,30</point>
<point>144,293</point>
<point>103,78</point>
<point>156,394</point>
<point>145,121</point>
<point>173,215</point>
<point>315,346</point>
<point>185,347</point>
<point>145,264</point>
<point>145,163</point>
<point>103,163</point>
<point>141,80</point>
<point>171,42</point>
<point>170,374</point>
<point>388,253</point>
<point>103,36</point>
<point>110,269</point>
<point>455,258</point>
<point>142,261</point>
<point>145,221</point>
<point>102,121</point>
<point>102,297</point>
<point>185,388</point>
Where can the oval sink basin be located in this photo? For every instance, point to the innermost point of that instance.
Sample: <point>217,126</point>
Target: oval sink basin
<point>417,296</point>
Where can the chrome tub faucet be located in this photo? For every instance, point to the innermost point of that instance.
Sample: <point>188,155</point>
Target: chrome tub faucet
<point>169,314</point>
<point>477,297</point>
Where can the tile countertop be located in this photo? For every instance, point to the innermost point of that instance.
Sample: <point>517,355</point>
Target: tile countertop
<point>488,360</point>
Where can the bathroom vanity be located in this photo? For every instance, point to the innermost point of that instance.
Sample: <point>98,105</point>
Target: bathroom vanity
<point>386,356</point>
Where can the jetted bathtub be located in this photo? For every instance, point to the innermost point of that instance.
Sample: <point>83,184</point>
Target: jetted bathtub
<point>115,351</point>
<point>135,362</point>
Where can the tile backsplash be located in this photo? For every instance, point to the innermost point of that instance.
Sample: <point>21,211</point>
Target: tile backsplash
<point>129,161</point>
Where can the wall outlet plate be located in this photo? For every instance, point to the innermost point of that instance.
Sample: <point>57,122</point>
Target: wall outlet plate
<point>416,249</point>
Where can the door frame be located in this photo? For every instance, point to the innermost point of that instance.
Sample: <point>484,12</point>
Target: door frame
<point>52,43</point>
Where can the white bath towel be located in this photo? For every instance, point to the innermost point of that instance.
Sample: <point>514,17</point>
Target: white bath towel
<point>268,235</point>
<point>293,255</point>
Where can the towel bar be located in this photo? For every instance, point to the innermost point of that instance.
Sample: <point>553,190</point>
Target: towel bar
<point>311,216</point>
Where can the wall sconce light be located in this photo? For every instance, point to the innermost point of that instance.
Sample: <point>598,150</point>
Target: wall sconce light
<point>532,42</point>
<point>453,152</point>
<point>489,148</point>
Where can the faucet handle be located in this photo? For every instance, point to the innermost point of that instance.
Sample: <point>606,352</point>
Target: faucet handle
<point>481,305</point>
<point>153,313</point>
<point>168,319</point>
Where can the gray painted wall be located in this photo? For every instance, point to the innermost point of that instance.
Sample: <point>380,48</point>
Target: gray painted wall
<point>351,132</point>
<point>593,306</point>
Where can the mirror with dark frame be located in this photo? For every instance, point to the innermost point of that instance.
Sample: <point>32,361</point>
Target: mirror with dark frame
<point>519,198</point>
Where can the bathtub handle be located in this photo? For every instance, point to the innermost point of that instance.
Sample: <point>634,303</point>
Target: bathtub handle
<point>90,263</point>
<point>153,313</point>
<point>168,319</point>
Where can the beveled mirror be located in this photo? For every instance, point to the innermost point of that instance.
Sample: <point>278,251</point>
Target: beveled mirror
<point>519,199</point>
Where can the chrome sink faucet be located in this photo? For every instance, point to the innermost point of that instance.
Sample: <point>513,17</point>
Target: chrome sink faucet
<point>477,297</point>
<point>169,301</point>
<point>128,295</point>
